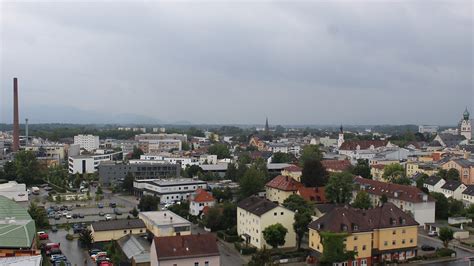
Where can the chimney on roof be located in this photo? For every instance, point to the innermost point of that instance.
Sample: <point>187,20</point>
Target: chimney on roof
<point>16,122</point>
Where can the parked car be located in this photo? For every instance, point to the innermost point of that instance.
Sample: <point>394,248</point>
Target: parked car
<point>65,213</point>
<point>117,211</point>
<point>432,233</point>
<point>69,208</point>
<point>100,205</point>
<point>58,257</point>
<point>80,215</point>
<point>112,205</point>
<point>54,228</point>
<point>68,216</point>
<point>57,217</point>
<point>94,251</point>
<point>108,217</point>
<point>53,251</point>
<point>43,236</point>
<point>74,215</point>
<point>47,247</point>
<point>101,213</point>
<point>427,248</point>
<point>98,254</point>
<point>48,188</point>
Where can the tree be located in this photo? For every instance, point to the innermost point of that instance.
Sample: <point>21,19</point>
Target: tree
<point>310,152</point>
<point>220,150</point>
<point>383,198</point>
<point>231,172</point>
<point>362,200</point>
<point>38,215</point>
<point>452,174</point>
<point>99,191</point>
<point>402,181</point>
<point>148,203</point>
<point>441,206</point>
<point>421,180</point>
<point>27,168</point>
<point>252,182</point>
<point>280,157</point>
<point>362,169</point>
<point>261,257</point>
<point>456,207</point>
<point>446,235</point>
<point>193,170</point>
<point>296,202</point>
<point>212,219</point>
<point>137,152</point>
<point>222,194</point>
<point>303,212</point>
<point>86,238</point>
<point>275,234</point>
<point>127,184</point>
<point>339,188</point>
<point>134,212</point>
<point>334,248</point>
<point>393,171</point>
<point>314,174</point>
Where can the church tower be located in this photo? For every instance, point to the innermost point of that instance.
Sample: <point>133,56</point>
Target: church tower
<point>340,140</point>
<point>267,128</point>
<point>465,128</point>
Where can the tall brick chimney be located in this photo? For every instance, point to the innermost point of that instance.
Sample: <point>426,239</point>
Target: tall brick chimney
<point>16,122</point>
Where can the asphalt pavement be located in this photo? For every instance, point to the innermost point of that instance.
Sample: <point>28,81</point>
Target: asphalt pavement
<point>70,249</point>
<point>461,255</point>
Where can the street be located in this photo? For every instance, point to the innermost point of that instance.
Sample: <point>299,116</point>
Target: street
<point>461,258</point>
<point>71,249</point>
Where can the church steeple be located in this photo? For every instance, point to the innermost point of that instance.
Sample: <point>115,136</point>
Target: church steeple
<point>340,140</point>
<point>267,128</point>
<point>466,114</point>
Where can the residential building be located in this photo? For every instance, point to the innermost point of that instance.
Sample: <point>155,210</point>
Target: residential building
<point>14,191</point>
<point>254,214</point>
<point>363,149</point>
<point>197,250</point>
<point>116,229</point>
<point>434,183</point>
<point>407,198</point>
<point>312,194</point>
<point>293,171</point>
<point>378,235</point>
<point>464,126</point>
<point>453,189</point>
<point>377,170</point>
<point>200,199</point>
<point>428,129</point>
<point>162,136</point>
<point>111,172</point>
<point>17,230</point>
<point>165,223</point>
<point>468,195</point>
<point>87,142</point>
<point>450,140</point>
<point>335,166</point>
<point>52,151</point>
<point>413,168</point>
<point>89,164</point>
<point>22,261</point>
<point>136,249</point>
<point>258,143</point>
<point>464,167</point>
<point>170,190</point>
<point>160,145</point>
<point>281,187</point>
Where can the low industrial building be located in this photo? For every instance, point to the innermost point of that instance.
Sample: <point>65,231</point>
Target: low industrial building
<point>165,223</point>
<point>14,191</point>
<point>170,190</point>
<point>116,229</point>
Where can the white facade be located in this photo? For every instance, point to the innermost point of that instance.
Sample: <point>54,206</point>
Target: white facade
<point>87,142</point>
<point>88,163</point>
<point>196,207</point>
<point>14,191</point>
<point>428,129</point>
<point>436,187</point>
<point>169,190</point>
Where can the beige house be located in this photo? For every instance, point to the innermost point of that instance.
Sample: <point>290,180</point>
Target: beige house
<point>464,167</point>
<point>413,168</point>
<point>116,229</point>
<point>197,250</point>
<point>165,223</point>
<point>280,188</point>
<point>293,171</point>
<point>254,214</point>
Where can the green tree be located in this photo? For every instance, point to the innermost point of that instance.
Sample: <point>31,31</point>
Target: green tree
<point>220,150</point>
<point>393,171</point>
<point>86,238</point>
<point>383,198</point>
<point>275,234</point>
<point>222,194</point>
<point>362,200</point>
<point>261,257</point>
<point>446,235</point>
<point>280,157</point>
<point>441,206</point>
<point>99,191</point>
<point>295,202</point>
<point>314,174</point>
<point>38,215</point>
<point>303,212</point>
<point>443,173</point>
<point>137,152</point>
<point>310,152</point>
<point>456,207</point>
<point>27,168</point>
<point>421,180</point>
<point>127,184</point>
<point>231,172</point>
<point>362,169</point>
<point>334,248</point>
<point>339,187</point>
<point>148,203</point>
<point>244,158</point>
<point>402,181</point>
<point>134,212</point>
<point>452,174</point>
<point>212,219</point>
<point>252,182</point>
<point>193,170</point>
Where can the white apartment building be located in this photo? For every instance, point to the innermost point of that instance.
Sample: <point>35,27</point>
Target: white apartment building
<point>88,163</point>
<point>87,142</point>
<point>168,190</point>
<point>14,191</point>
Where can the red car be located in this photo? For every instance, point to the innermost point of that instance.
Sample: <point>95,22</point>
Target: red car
<point>43,236</point>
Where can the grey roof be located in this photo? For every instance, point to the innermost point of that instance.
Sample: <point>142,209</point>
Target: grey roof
<point>118,224</point>
<point>469,190</point>
<point>451,140</point>
<point>464,163</point>
<point>135,247</point>
<point>451,185</point>
<point>432,180</point>
<point>21,261</point>
<point>327,207</point>
<point>257,205</point>
<point>469,148</point>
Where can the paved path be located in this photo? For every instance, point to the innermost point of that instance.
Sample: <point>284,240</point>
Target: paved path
<point>462,253</point>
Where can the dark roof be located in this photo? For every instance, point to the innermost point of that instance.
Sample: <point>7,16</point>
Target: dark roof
<point>469,148</point>
<point>336,165</point>
<point>257,205</point>
<point>464,163</point>
<point>327,207</point>
<point>118,224</point>
<point>363,144</point>
<point>189,246</point>
<point>451,185</point>
<point>469,190</point>
<point>432,180</point>
<point>451,140</point>
<point>348,219</point>
<point>284,183</point>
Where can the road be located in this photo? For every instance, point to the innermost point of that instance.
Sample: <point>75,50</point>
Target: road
<point>462,255</point>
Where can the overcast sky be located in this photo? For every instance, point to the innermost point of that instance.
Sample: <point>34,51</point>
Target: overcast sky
<point>311,62</point>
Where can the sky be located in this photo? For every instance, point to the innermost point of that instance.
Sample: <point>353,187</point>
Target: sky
<point>238,62</point>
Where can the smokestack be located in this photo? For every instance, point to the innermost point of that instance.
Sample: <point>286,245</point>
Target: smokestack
<point>26,131</point>
<point>16,122</point>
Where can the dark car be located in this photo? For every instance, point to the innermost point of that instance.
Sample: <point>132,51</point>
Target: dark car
<point>80,215</point>
<point>94,251</point>
<point>54,228</point>
<point>100,205</point>
<point>74,215</point>
<point>427,248</point>
<point>55,258</point>
<point>117,211</point>
<point>57,217</point>
<point>113,205</point>
<point>54,251</point>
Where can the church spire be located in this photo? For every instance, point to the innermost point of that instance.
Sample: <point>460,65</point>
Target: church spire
<point>267,129</point>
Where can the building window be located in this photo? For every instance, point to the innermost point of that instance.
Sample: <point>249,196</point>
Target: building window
<point>363,247</point>
<point>394,242</point>
<point>275,214</point>
<point>196,264</point>
<point>394,232</point>
<point>281,213</point>
<point>355,248</point>
<point>355,238</point>
<point>411,240</point>
<point>124,231</point>
<point>403,241</point>
<point>354,263</point>
<point>206,263</point>
<point>403,231</point>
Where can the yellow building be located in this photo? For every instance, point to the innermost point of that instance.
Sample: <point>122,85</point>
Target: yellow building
<point>293,171</point>
<point>380,234</point>
<point>165,223</point>
<point>280,188</point>
<point>254,214</point>
<point>376,171</point>
<point>116,229</point>
<point>413,168</point>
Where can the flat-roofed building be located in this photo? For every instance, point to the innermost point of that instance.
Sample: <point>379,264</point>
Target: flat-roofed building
<point>116,229</point>
<point>165,223</point>
<point>169,190</point>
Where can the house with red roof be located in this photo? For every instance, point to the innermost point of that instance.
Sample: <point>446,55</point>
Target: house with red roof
<point>335,166</point>
<point>293,171</point>
<point>281,187</point>
<point>199,200</point>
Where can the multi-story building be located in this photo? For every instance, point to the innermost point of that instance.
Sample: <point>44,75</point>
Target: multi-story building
<point>464,167</point>
<point>199,200</point>
<point>168,190</point>
<point>254,214</point>
<point>52,151</point>
<point>112,172</point>
<point>377,170</point>
<point>453,189</point>
<point>281,187</point>
<point>162,136</point>
<point>413,168</point>
<point>428,129</point>
<point>87,142</point>
<point>165,223</point>
<point>335,166</point>
<point>434,183</point>
<point>468,195</point>
<point>89,163</point>
<point>293,171</point>
<point>408,198</point>
<point>377,235</point>
<point>363,149</point>
<point>160,145</point>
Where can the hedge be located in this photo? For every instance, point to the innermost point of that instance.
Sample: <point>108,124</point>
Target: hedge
<point>245,250</point>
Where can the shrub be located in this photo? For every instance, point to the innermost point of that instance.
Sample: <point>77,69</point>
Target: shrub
<point>220,234</point>
<point>243,249</point>
<point>69,237</point>
<point>444,252</point>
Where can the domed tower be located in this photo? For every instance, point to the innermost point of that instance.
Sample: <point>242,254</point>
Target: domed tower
<point>465,128</point>
<point>340,140</point>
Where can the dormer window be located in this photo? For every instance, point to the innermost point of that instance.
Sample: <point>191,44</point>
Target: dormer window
<point>344,227</point>
<point>392,221</point>
<point>355,227</point>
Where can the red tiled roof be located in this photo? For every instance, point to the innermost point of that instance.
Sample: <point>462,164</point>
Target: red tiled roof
<point>336,165</point>
<point>293,168</point>
<point>401,192</point>
<point>364,144</point>
<point>313,194</point>
<point>188,246</point>
<point>202,196</point>
<point>284,183</point>
<point>378,166</point>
